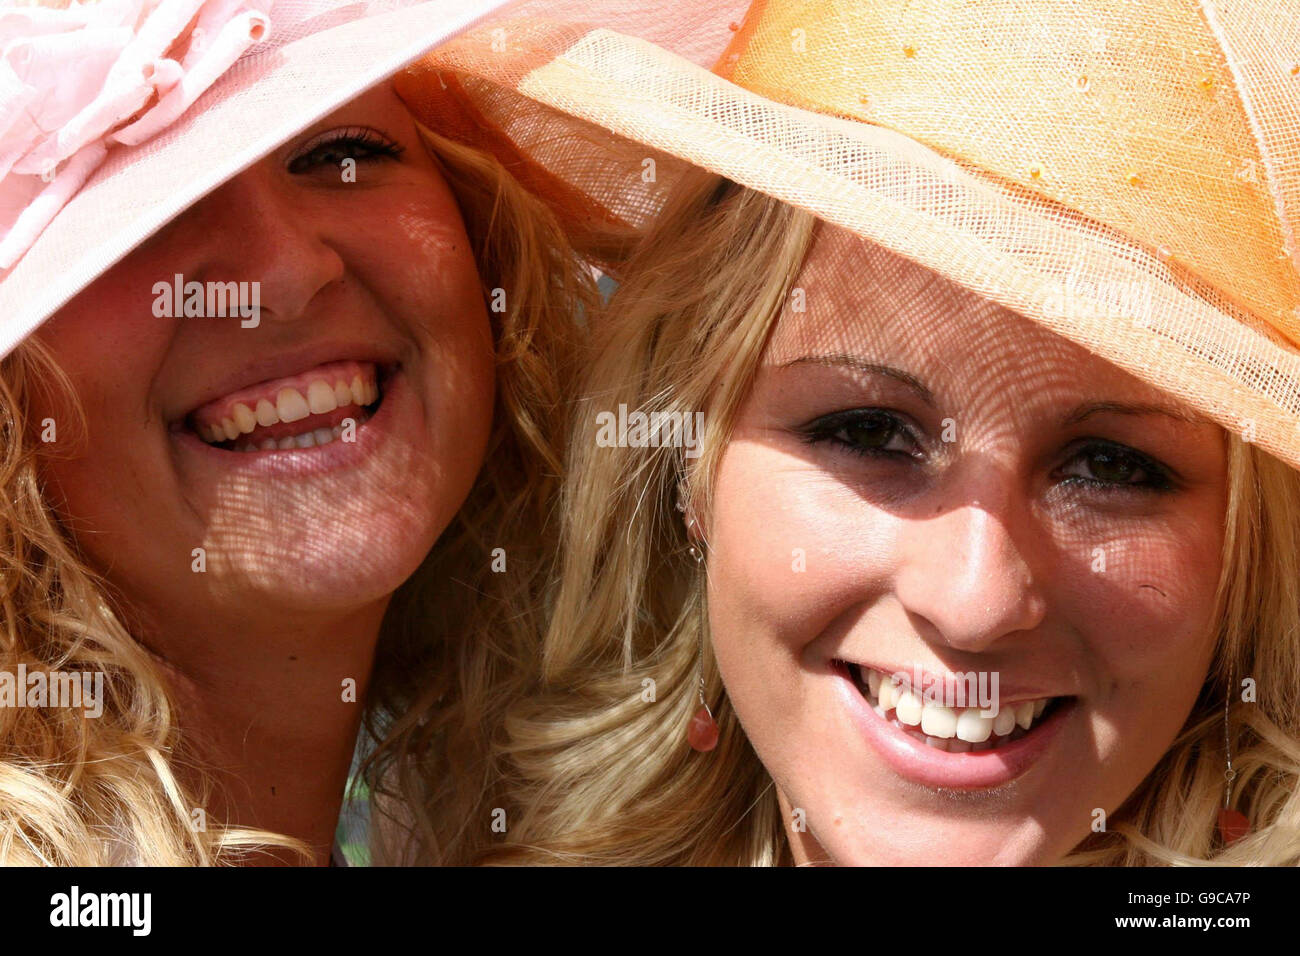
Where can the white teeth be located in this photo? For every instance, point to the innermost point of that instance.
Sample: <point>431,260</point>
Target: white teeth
<point>337,431</point>
<point>973,728</point>
<point>244,418</point>
<point>291,406</point>
<point>1005,721</point>
<point>305,440</point>
<point>286,443</point>
<point>887,694</point>
<point>1024,714</point>
<point>908,708</point>
<point>956,730</point>
<point>938,721</point>
<point>323,436</point>
<point>266,413</point>
<point>269,445</point>
<point>320,398</point>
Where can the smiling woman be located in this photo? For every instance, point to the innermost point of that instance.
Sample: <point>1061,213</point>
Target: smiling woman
<point>990,551</point>
<point>262,532</point>
<point>885,504</point>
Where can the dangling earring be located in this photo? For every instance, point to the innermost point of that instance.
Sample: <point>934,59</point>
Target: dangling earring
<point>702,731</point>
<point>1233,824</point>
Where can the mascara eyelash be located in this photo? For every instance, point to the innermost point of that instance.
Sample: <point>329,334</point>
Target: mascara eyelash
<point>824,429</point>
<point>370,143</point>
<point>1159,477</point>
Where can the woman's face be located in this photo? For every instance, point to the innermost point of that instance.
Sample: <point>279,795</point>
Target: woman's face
<point>358,398</point>
<point>924,484</point>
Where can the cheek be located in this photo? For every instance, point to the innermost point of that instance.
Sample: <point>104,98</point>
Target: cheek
<point>110,346</point>
<point>415,258</point>
<point>1145,604</point>
<point>790,551</point>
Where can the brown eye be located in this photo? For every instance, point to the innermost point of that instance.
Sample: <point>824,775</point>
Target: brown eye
<point>864,431</point>
<point>873,433</point>
<point>1106,465</point>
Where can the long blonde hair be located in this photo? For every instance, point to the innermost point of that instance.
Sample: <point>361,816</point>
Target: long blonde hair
<point>77,790</point>
<point>599,755</point>
<point>462,637</point>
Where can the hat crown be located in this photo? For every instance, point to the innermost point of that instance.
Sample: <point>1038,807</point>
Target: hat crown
<point>1170,121</point>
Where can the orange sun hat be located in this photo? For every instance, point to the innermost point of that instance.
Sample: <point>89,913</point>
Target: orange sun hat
<point>1124,172</point>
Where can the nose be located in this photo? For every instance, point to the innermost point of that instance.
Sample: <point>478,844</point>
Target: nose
<point>967,571</point>
<point>259,227</point>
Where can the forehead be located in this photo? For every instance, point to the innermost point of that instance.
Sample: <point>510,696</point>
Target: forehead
<point>863,301</point>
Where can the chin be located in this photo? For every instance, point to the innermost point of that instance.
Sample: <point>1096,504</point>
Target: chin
<point>903,838</point>
<point>320,557</point>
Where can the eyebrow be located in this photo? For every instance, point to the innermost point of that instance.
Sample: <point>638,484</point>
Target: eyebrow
<point>1132,408</point>
<point>861,365</point>
<point>1079,414</point>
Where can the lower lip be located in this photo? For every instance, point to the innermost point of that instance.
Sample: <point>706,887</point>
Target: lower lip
<point>914,760</point>
<point>318,459</point>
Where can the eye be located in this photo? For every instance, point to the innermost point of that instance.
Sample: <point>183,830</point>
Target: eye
<point>864,431</point>
<point>1111,466</point>
<point>361,143</point>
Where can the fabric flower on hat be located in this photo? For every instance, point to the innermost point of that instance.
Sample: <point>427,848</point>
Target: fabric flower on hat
<point>77,79</point>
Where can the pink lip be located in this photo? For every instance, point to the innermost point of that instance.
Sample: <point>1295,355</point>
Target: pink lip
<point>915,761</point>
<point>397,401</point>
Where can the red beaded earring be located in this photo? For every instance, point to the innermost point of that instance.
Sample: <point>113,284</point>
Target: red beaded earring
<point>1233,824</point>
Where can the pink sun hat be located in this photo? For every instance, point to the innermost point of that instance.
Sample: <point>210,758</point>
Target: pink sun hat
<point>117,115</point>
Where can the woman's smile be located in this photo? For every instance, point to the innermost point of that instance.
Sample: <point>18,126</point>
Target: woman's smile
<point>926,741</point>
<point>333,414</point>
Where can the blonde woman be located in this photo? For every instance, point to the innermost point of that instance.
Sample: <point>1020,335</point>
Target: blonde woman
<point>236,530</point>
<point>983,408</point>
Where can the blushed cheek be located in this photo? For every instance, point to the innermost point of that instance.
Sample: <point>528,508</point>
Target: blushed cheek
<point>110,345</point>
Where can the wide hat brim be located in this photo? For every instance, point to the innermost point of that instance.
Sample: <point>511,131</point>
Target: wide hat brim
<point>319,56</point>
<point>590,104</point>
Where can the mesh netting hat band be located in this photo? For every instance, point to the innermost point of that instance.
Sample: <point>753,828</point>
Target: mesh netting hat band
<point>1124,172</point>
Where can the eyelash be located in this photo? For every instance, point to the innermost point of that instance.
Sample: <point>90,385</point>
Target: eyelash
<point>828,429</point>
<point>356,142</point>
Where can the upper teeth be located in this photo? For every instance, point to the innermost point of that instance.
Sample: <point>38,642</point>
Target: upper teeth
<point>936,720</point>
<point>291,406</point>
